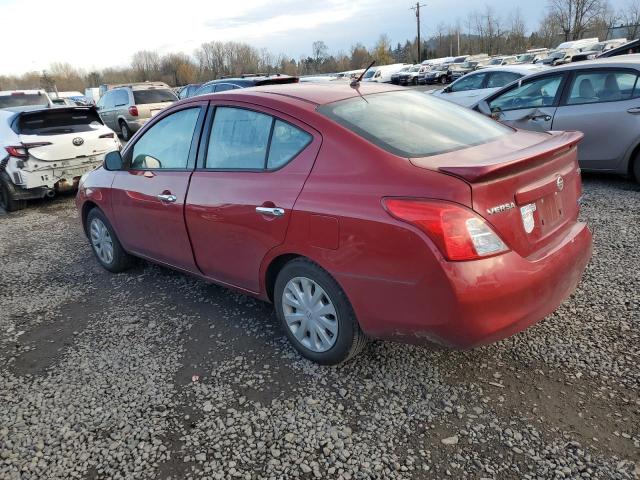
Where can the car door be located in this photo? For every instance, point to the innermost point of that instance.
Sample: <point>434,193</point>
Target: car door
<point>530,104</point>
<point>252,167</point>
<point>148,196</point>
<point>602,103</point>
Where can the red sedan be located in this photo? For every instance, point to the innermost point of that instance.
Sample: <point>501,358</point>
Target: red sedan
<point>359,212</point>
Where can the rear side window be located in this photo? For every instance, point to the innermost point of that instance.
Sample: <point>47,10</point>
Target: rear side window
<point>598,87</point>
<point>413,124</point>
<point>206,89</point>
<point>58,122</point>
<point>142,97</point>
<point>22,100</point>
<point>166,144</point>
<point>286,142</point>
<point>246,140</point>
<point>222,87</point>
<point>239,139</point>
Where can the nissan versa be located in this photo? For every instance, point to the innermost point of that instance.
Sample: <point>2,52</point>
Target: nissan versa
<point>360,212</point>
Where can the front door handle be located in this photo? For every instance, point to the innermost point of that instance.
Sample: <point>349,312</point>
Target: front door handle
<point>167,198</point>
<point>272,211</point>
<point>634,110</point>
<point>546,118</point>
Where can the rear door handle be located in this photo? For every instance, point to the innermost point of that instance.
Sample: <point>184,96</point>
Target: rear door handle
<point>167,198</point>
<point>634,110</point>
<point>272,211</point>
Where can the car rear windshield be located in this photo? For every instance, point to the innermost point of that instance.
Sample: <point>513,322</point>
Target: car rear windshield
<point>22,100</point>
<point>413,124</point>
<point>57,122</point>
<point>142,97</point>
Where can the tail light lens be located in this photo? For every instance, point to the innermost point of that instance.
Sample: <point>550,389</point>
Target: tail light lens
<point>133,111</point>
<point>459,233</point>
<point>18,152</point>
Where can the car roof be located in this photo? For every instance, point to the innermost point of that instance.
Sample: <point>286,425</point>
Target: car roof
<point>526,69</point>
<point>26,92</point>
<point>621,61</point>
<point>310,93</point>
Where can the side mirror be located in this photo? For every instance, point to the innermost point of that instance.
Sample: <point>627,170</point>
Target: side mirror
<point>113,161</point>
<point>484,108</point>
<point>446,90</point>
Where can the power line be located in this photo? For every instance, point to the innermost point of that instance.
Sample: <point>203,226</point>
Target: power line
<point>416,9</point>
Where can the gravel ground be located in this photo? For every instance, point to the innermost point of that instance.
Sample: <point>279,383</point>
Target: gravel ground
<point>153,374</point>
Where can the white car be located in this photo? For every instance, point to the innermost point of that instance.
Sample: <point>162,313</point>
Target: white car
<point>474,86</point>
<point>382,74</point>
<point>46,150</point>
<point>24,98</point>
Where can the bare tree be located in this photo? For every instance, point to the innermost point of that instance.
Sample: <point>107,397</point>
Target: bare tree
<point>630,17</point>
<point>575,17</point>
<point>176,65</point>
<point>382,50</point>
<point>320,51</point>
<point>146,65</point>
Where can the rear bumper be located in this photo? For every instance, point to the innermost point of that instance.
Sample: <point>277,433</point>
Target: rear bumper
<point>470,304</point>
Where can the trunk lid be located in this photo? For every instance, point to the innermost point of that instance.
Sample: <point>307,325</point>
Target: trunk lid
<point>63,133</point>
<point>526,185</point>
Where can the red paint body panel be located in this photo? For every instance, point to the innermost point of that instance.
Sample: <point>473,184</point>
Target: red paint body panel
<point>396,279</point>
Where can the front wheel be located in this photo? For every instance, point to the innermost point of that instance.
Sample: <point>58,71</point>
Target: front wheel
<point>315,314</point>
<point>105,244</point>
<point>443,80</point>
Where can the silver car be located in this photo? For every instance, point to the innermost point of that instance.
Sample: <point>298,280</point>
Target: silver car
<point>126,108</point>
<point>600,98</point>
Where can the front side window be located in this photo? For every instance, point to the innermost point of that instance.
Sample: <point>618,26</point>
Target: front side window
<point>167,143</point>
<point>246,140</point>
<point>540,92</point>
<point>223,87</point>
<point>597,87</point>
<point>469,82</point>
<point>412,124</point>
<point>500,79</point>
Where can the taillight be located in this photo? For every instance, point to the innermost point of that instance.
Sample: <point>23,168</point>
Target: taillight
<point>18,152</point>
<point>459,233</point>
<point>108,135</point>
<point>133,111</point>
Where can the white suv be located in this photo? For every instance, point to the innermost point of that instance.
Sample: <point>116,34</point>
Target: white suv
<point>46,150</point>
<point>16,99</point>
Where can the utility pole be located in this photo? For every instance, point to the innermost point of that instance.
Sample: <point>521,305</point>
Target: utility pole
<point>417,10</point>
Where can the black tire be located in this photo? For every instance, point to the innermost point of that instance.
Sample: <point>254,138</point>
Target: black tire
<point>443,80</point>
<point>125,131</point>
<point>8,201</point>
<point>350,339</point>
<point>636,168</point>
<point>120,260</point>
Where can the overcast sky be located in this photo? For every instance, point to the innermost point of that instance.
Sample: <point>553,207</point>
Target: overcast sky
<point>91,34</point>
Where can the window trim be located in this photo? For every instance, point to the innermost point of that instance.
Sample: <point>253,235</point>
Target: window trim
<point>556,100</point>
<point>574,73</point>
<point>193,149</point>
<point>201,164</point>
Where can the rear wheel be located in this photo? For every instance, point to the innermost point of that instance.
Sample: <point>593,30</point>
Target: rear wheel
<point>125,131</point>
<point>105,244</point>
<point>443,80</point>
<point>8,201</point>
<point>315,314</point>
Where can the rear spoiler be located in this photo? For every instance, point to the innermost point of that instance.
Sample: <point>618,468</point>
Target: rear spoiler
<point>558,143</point>
<point>26,113</point>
